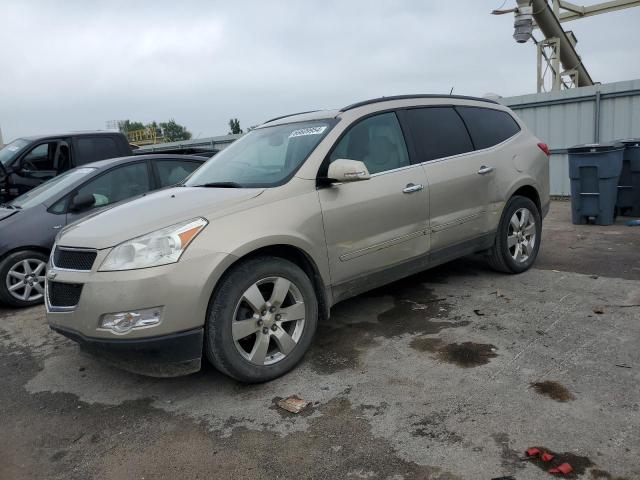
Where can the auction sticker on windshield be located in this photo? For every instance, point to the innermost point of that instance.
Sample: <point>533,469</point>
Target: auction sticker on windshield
<point>307,131</point>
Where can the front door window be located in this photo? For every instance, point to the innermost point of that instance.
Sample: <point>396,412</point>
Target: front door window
<point>377,141</point>
<point>118,184</point>
<point>40,158</point>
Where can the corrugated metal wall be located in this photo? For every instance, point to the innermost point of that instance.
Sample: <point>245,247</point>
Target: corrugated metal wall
<point>581,115</point>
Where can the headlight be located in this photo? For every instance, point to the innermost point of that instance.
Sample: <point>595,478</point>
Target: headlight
<point>156,248</point>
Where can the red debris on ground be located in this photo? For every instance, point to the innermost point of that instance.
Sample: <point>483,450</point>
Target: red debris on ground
<point>547,457</point>
<point>564,469</point>
<point>533,452</point>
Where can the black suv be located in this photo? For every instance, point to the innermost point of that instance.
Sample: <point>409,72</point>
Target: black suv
<point>27,162</point>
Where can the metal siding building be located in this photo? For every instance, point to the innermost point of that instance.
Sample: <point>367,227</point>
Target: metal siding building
<point>214,143</point>
<point>581,115</point>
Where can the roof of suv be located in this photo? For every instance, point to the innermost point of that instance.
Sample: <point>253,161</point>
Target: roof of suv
<point>326,114</point>
<point>409,97</point>
<point>72,134</point>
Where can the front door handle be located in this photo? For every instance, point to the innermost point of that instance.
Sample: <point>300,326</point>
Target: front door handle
<point>484,170</point>
<point>411,188</point>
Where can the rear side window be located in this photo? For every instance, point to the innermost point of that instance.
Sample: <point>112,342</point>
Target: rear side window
<point>488,127</point>
<point>438,132</point>
<point>92,149</point>
<point>172,172</point>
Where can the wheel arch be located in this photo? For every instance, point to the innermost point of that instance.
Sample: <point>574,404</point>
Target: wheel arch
<point>296,255</point>
<point>530,192</point>
<point>525,187</point>
<point>36,248</point>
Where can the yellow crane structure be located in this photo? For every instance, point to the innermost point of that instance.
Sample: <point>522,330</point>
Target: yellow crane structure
<point>145,136</point>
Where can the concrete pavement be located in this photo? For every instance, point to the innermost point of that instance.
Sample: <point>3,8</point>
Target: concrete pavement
<point>449,374</point>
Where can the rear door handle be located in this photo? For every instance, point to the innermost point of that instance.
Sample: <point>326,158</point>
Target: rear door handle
<point>411,188</point>
<point>484,170</point>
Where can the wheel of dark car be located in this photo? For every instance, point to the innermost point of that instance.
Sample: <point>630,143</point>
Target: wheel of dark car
<point>22,277</point>
<point>518,237</point>
<point>261,319</point>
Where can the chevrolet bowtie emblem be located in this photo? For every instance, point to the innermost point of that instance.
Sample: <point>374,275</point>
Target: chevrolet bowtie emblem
<point>51,275</point>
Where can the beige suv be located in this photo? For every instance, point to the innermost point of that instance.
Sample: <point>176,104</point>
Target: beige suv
<point>242,261</point>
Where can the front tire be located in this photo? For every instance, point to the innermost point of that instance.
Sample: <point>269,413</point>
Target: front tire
<point>22,277</point>
<point>518,237</point>
<point>261,319</point>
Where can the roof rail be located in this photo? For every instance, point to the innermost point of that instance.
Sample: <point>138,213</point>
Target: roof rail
<point>289,115</point>
<point>406,97</point>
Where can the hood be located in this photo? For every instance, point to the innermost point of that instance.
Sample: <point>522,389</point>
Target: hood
<point>152,212</point>
<point>7,212</point>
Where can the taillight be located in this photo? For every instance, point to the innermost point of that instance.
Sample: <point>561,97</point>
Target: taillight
<point>545,148</point>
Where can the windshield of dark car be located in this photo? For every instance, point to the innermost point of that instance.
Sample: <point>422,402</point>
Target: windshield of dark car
<point>264,157</point>
<point>50,189</point>
<point>9,152</point>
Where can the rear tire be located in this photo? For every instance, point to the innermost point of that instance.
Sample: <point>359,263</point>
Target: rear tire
<point>261,319</point>
<point>518,237</point>
<point>22,277</point>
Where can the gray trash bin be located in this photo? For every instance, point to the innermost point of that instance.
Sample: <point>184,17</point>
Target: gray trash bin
<point>594,170</point>
<point>629,184</point>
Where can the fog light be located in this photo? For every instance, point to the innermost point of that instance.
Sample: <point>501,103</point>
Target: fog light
<point>122,322</point>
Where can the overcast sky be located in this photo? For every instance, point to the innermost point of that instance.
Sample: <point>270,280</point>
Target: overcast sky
<point>73,65</point>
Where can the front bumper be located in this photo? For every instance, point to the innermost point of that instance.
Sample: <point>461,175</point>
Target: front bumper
<point>182,290</point>
<point>165,356</point>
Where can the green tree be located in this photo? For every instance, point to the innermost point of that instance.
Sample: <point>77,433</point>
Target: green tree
<point>234,126</point>
<point>126,126</point>
<point>173,132</point>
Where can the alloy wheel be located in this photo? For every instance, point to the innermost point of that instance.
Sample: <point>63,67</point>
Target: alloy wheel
<point>521,236</point>
<point>268,320</point>
<point>25,279</point>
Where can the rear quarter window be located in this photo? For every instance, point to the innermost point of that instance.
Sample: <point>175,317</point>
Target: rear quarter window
<point>488,127</point>
<point>92,149</point>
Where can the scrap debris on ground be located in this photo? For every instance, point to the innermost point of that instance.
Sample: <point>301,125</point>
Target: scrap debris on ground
<point>293,404</point>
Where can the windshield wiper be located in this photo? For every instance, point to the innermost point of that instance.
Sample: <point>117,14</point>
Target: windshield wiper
<point>9,206</point>
<point>220,185</point>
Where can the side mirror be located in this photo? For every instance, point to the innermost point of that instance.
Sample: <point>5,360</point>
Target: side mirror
<point>82,202</point>
<point>343,170</point>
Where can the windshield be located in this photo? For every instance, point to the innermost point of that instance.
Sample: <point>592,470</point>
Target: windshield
<point>9,152</point>
<point>50,189</point>
<point>265,157</point>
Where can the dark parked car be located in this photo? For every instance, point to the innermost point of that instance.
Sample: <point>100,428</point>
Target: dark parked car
<point>27,162</point>
<point>29,224</point>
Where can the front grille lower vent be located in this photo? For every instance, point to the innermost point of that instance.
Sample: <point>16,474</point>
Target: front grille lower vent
<point>64,294</point>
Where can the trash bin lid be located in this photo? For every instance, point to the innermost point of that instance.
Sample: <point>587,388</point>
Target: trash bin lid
<point>596,147</point>
<point>630,142</point>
